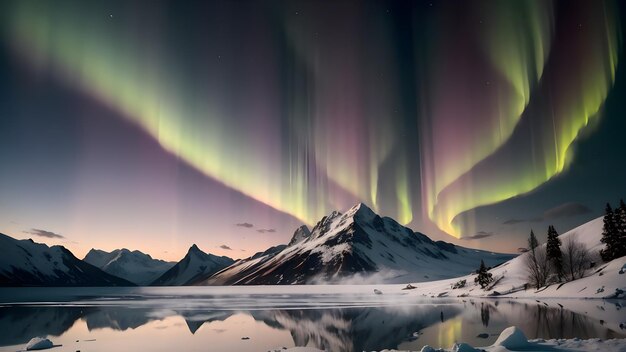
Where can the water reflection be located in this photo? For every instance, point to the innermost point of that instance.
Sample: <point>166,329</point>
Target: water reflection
<point>355,329</point>
<point>333,329</point>
<point>484,313</point>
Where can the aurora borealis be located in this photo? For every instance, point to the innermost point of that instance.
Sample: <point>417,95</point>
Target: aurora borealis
<point>526,128</point>
<point>209,114</point>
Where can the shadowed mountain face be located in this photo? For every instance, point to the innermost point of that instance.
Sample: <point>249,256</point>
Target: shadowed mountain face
<point>357,244</point>
<point>27,263</point>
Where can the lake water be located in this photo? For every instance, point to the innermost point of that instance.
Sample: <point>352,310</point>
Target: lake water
<point>336,318</point>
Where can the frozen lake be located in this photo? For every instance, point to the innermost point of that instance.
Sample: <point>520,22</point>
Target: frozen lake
<point>336,318</point>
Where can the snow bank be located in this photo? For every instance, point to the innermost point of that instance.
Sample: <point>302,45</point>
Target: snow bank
<point>38,343</point>
<point>605,280</point>
<point>512,338</point>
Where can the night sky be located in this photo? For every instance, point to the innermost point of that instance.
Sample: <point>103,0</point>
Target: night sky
<point>153,125</point>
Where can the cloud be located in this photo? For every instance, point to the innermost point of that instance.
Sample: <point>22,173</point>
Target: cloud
<point>226,247</point>
<point>520,221</point>
<point>514,221</point>
<point>44,233</point>
<point>522,250</point>
<point>265,230</point>
<point>479,235</point>
<point>564,210</point>
<point>245,224</point>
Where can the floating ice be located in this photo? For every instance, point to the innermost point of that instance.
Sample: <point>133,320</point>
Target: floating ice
<point>38,343</point>
<point>512,338</point>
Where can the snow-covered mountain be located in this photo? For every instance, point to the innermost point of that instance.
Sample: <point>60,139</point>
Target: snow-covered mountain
<point>357,244</point>
<point>195,265</point>
<point>133,266</point>
<point>27,263</point>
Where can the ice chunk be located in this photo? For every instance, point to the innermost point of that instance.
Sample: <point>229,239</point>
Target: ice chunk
<point>463,347</point>
<point>512,338</point>
<point>38,343</point>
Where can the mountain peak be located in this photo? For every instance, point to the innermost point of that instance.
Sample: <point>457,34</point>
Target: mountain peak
<point>360,205</point>
<point>300,235</point>
<point>194,266</point>
<point>361,211</point>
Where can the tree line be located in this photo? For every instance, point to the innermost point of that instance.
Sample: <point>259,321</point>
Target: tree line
<point>561,262</point>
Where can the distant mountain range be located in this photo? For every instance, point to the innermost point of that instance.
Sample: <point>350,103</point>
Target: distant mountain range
<point>134,266</point>
<point>26,263</point>
<point>355,245</point>
<point>358,246</point>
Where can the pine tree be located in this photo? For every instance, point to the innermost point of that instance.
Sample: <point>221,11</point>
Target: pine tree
<point>614,233</point>
<point>553,247</point>
<point>532,242</point>
<point>620,218</point>
<point>621,229</point>
<point>484,277</point>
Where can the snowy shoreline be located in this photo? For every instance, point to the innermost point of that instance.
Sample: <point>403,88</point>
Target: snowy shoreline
<point>604,281</point>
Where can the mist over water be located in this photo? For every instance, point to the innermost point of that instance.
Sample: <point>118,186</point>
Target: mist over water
<point>335,318</point>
